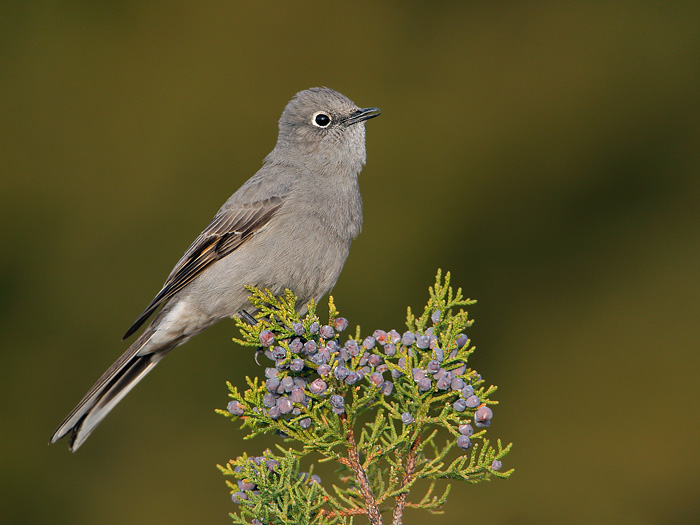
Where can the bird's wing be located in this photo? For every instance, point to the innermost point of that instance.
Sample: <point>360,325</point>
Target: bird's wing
<point>229,229</point>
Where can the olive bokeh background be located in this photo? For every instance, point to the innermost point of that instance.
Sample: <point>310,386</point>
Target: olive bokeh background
<point>546,153</point>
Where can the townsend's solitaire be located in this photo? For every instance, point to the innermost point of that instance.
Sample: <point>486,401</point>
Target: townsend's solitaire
<point>289,226</point>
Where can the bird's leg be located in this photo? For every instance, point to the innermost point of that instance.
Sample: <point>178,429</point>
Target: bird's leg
<point>252,321</point>
<point>248,318</point>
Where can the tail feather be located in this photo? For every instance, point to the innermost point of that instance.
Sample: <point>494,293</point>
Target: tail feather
<point>132,374</point>
<point>109,389</point>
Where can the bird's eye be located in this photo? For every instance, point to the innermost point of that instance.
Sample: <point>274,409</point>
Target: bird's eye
<point>321,119</point>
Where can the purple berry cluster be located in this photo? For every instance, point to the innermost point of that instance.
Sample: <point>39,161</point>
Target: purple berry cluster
<point>311,365</point>
<point>261,466</point>
<point>297,359</point>
<point>245,487</point>
<point>445,374</point>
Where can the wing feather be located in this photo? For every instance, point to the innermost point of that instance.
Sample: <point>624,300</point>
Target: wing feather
<point>227,231</point>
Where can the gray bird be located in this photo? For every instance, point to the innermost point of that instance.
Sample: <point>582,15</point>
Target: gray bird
<point>289,226</point>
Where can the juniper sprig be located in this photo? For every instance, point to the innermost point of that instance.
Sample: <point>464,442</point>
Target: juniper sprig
<point>389,409</point>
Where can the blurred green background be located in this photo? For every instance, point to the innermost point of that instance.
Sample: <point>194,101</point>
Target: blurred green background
<point>546,153</point>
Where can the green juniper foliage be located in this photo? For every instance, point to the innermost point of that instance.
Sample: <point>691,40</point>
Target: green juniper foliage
<point>389,409</point>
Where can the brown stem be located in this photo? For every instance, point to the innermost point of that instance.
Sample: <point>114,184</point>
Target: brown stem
<point>348,512</point>
<point>375,517</point>
<point>408,475</point>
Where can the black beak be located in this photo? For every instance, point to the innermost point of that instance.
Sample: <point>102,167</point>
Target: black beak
<point>362,114</point>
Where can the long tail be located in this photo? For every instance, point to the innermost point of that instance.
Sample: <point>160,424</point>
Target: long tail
<point>109,389</point>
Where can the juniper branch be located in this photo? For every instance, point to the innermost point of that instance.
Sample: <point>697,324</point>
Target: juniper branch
<point>319,394</point>
<point>373,513</point>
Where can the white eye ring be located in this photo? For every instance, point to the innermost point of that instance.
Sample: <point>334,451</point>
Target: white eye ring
<point>321,119</point>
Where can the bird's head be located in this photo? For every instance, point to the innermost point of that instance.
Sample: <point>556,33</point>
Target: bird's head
<point>323,129</point>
